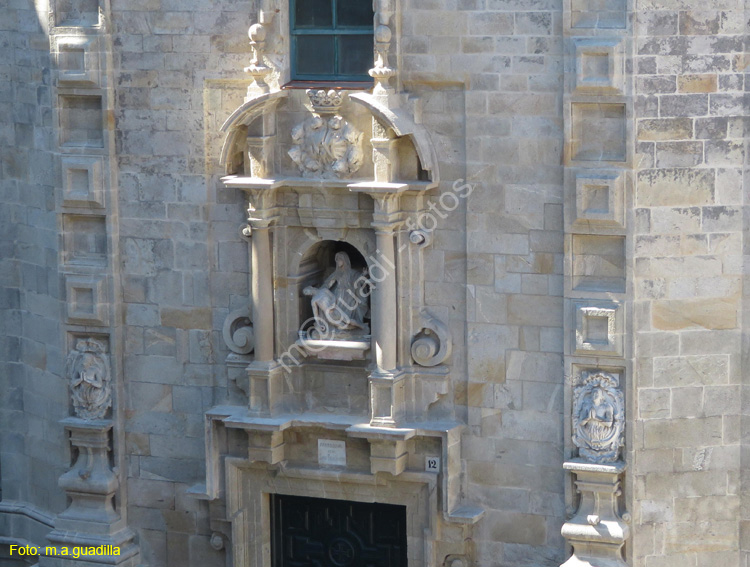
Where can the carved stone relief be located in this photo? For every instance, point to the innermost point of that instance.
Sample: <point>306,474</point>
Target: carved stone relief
<point>433,344</point>
<point>326,145</point>
<point>598,417</point>
<point>340,304</point>
<point>88,372</point>
<point>238,331</point>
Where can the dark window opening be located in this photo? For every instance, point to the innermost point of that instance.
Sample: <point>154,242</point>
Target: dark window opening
<point>332,40</point>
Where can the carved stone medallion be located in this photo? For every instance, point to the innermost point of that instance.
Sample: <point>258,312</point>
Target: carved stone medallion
<point>325,145</point>
<point>88,372</point>
<point>598,417</point>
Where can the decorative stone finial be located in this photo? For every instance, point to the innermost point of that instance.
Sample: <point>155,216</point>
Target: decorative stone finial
<point>88,372</point>
<point>598,417</point>
<point>382,72</point>
<point>257,69</point>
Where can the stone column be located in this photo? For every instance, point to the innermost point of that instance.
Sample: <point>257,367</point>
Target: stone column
<point>91,520</point>
<point>386,382</point>
<point>264,371</point>
<point>262,292</point>
<point>384,302</point>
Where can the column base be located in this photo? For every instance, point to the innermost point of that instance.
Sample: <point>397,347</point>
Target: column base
<point>265,387</point>
<point>386,398</point>
<point>597,532</point>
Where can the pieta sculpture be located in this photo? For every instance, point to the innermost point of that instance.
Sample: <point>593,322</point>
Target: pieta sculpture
<point>341,304</point>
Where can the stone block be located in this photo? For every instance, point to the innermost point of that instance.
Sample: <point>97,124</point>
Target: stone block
<point>598,263</point>
<point>81,121</point>
<point>186,318</point>
<point>598,132</point>
<point>679,154</point>
<point>534,310</point>
<point>527,529</point>
<point>707,313</point>
<point>695,432</point>
<point>706,83</point>
<point>694,370</point>
<point>84,240</point>
<point>675,187</point>
<point>653,403</point>
<point>601,14</point>
<point>78,13</point>
<point>665,129</point>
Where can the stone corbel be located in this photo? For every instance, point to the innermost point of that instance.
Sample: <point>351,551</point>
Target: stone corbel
<point>433,344</point>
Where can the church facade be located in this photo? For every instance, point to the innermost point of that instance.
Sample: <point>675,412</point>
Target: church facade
<point>386,283</point>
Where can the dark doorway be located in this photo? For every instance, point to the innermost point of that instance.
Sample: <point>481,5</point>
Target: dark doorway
<point>316,532</point>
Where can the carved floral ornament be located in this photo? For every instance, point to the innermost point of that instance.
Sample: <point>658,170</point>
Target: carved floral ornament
<point>88,371</point>
<point>598,417</point>
<point>325,145</point>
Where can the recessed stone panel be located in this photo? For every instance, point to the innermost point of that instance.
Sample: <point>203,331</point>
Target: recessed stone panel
<point>599,65</point>
<point>598,328</point>
<point>85,240</point>
<point>82,181</point>
<point>81,121</point>
<point>598,132</point>
<point>77,13</point>
<point>86,300</point>
<point>599,198</point>
<point>77,60</point>
<point>598,263</point>
<point>600,14</point>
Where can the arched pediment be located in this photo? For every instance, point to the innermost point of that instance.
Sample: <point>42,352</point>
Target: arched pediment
<point>277,136</point>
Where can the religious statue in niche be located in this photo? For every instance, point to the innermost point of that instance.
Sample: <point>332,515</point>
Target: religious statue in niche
<point>88,372</point>
<point>326,145</point>
<point>340,304</point>
<point>598,417</point>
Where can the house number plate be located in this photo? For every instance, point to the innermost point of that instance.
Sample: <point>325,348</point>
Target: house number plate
<point>432,464</point>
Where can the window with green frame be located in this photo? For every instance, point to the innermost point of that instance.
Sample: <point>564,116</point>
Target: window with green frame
<point>331,39</point>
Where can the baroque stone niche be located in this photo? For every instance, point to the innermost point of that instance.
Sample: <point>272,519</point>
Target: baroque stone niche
<point>336,348</point>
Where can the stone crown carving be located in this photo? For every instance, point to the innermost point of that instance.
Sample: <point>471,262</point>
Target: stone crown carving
<point>88,372</point>
<point>598,417</point>
<point>325,102</point>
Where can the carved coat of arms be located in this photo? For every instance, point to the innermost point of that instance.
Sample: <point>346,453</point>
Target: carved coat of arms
<point>598,417</point>
<point>326,145</point>
<point>88,372</point>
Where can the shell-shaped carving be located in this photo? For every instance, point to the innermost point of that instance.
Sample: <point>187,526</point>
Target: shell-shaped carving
<point>238,331</point>
<point>87,368</point>
<point>598,417</point>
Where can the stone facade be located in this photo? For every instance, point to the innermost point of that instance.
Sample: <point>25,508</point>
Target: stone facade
<point>546,197</point>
